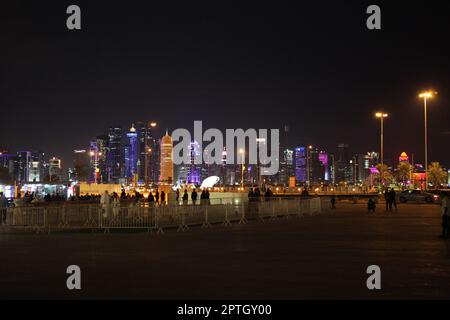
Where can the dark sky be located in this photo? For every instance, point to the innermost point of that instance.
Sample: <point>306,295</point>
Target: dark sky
<point>237,64</point>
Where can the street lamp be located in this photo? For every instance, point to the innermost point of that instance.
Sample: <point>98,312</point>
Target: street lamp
<point>242,152</point>
<point>381,116</point>
<point>426,95</point>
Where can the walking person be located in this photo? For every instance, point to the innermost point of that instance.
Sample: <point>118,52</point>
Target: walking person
<point>3,207</point>
<point>445,216</point>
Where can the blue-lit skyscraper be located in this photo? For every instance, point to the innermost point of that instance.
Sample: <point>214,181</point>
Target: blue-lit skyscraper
<point>131,153</point>
<point>300,164</point>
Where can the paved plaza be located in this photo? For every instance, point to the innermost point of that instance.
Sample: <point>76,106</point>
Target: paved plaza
<point>317,257</point>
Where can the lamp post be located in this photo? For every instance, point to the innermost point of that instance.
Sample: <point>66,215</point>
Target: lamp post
<point>242,152</point>
<point>381,116</point>
<point>426,95</point>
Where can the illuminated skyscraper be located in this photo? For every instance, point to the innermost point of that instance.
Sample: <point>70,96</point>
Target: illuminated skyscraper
<point>102,150</point>
<point>166,159</point>
<point>149,154</point>
<point>194,171</point>
<point>131,153</point>
<point>114,156</point>
<point>81,165</point>
<point>54,170</point>
<point>300,164</point>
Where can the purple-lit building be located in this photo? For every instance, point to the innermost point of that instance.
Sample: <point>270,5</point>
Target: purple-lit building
<point>194,171</point>
<point>300,164</point>
<point>323,158</point>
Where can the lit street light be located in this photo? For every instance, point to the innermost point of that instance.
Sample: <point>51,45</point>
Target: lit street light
<point>381,116</point>
<point>426,95</point>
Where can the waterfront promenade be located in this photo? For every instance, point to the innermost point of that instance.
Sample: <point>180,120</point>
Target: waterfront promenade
<point>315,257</point>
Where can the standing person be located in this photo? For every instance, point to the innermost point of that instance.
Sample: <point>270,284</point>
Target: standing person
<point>157,196</point>
<point>333,202</point>
<point>386,199</point>
<point>445,216</point>
<point>185,197</point>
<point>3,206</point>
<point>151,199</point>
<point>177,195</point>
<point>392,197</point>
<point>163,198</point>
<point>105,201</point>
<point>371,205</point>
<point>115,204</point>
<point>202,197</point>
<point>208,201</point>
<point>194,197</point>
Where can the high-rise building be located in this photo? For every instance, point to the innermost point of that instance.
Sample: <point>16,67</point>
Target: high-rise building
<point>332,168</point>
<point>101,148</point>
<point>360,171</point>
<point>115,155</point>
<point>323,158</point>
<point>166,160</point>
<point>300,164</point>
<point>286,167</point>
<point>81,167</point>
<point>7,164</point>
<point>22,166</point>
<point>131,154</point>
<point>315,166</point>
<point>35,172</point>
<point>344,168</point>
<point>148,150</point>
<point>194,171</point>
<point>54,170</point>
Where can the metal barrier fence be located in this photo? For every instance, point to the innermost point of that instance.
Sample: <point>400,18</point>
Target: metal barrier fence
<point>158,218</point>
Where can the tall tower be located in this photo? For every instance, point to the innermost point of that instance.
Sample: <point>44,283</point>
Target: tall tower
<point>115,157</point>
<point>166,159</point>
<point>131,153</point>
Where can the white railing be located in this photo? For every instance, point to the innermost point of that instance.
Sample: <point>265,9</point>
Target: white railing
<point>158,218</point>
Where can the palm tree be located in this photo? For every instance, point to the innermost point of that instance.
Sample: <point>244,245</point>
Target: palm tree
<point>403,172</point>
<point>436,175</point>
<point>385,176</point>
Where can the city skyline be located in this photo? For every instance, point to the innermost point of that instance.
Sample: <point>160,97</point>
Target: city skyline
<point>250,68</point>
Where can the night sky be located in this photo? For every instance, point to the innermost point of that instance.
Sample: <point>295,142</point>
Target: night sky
<point>239,64</point>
